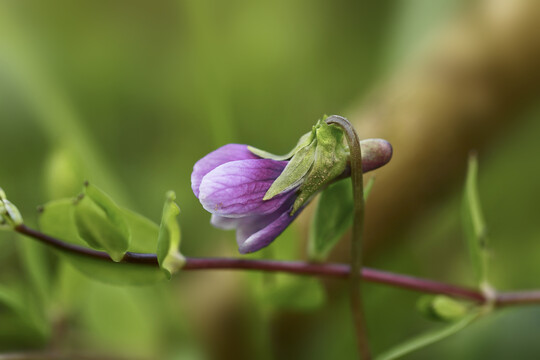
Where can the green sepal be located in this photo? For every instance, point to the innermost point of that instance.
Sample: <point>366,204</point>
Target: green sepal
<point>304,141</point>
<point>295,171</point>
<point>169,258</point>
<point>442,308</point>
<point>331,157</point>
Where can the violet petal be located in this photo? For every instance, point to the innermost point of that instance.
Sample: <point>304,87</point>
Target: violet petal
<point>224,223</point>
<point>237,188</point>
<point>226,153</point>
<point>258,232</point>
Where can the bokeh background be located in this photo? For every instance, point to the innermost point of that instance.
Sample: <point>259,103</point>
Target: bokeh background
<point>130,94</point>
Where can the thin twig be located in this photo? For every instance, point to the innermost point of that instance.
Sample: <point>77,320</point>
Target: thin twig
<point>301,268</point>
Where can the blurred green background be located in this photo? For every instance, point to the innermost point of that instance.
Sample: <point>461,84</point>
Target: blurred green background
<point>130,94</point>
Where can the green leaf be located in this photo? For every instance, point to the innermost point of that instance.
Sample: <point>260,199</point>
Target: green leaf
<point>429,338</point>
<point>57,219</point>
<point>331,156</point>
<point>94,227</point>
<point>333,217</point>
<point>113,212</point>
<point>442,308</point>
<point>169,258</point>
<point>304,141</point>
<point>473,223</point>
<point>294,172</point>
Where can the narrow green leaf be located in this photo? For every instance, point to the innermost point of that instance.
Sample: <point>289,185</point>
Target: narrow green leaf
<point>473,223</point>
<point>294,172</point>
<point>442,308</point>
<point>333,217</point>
<point>95,227</point>
<point>57,219</point>
<point>429,338</point>
<point>304,141</point>
<point>169,258</point>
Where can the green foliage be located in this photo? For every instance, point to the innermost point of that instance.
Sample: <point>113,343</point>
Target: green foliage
<point>169,257</point>
<point>57,219</point>
<point>101,223</point>
<point>474,225</point>
<point>333,217</point>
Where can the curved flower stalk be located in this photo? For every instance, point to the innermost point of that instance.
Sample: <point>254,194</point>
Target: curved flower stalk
<point>232,183</point>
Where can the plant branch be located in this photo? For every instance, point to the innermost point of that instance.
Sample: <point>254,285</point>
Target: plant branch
<point>301,268</point>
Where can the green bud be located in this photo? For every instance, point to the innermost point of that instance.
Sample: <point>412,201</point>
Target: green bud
<point>442,308</point>
<point>10,216</point>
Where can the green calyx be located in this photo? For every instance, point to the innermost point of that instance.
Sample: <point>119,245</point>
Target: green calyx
<point>319,157</point>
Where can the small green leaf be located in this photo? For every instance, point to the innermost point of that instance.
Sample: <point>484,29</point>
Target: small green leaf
<point>473,223</point>
<point>304,141</point>
<point>294,172</point>
<point>331,157</point>
<point>429,338</point>
<point>333,217</point>
<point>442,308</point>
<point>57,219</point>
<point>94,227</point>
<point>2,194</point>
<point>113,212</point>
<point>169,258</point>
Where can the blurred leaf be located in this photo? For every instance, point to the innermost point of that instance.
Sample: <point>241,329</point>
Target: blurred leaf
<point>442,308</point>
<point>63,173</point>
<point>289,292</point>
<point>24,312</point>
<point>429,338</point>
<point>56,220</point>
<point>333,217</point>
<point>473,223</point>
<point>169,257</point>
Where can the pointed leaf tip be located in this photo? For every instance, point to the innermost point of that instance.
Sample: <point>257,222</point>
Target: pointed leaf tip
<point>169,257</point>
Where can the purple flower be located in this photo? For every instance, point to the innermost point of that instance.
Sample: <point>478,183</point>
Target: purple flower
<point>230,183</point>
